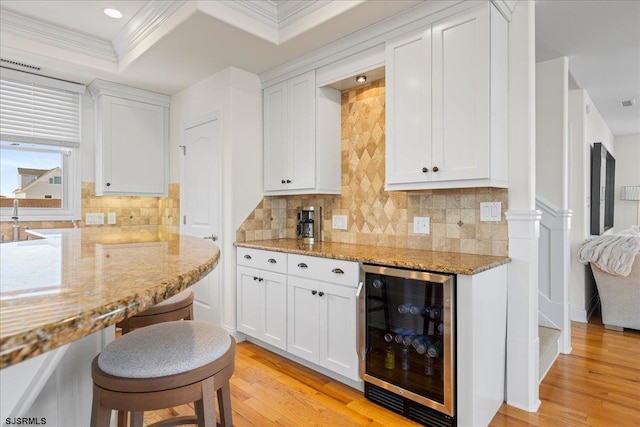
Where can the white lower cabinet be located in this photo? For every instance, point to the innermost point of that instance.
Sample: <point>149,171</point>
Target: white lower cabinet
<point>322,315</point>
<point>262,305</point>
<point>262,295</point>
<point>301,304</point>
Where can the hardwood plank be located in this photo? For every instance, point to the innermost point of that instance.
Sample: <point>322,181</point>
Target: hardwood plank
<point>597,385</point>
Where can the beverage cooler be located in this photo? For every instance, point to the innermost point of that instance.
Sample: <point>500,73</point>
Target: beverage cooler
<point>407,343</point>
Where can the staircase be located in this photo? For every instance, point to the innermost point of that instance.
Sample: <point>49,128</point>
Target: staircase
<point>548,348</point>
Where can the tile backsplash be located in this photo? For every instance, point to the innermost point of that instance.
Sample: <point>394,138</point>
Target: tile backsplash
<point>132,212</point>
<point>378,217</point>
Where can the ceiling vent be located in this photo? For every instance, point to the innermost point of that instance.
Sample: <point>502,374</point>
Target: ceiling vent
<point>9,63</point>
<point>627,103</point>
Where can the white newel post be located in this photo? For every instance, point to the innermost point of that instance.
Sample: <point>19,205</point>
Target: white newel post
<point>523,347</point>
<point>522,300</point>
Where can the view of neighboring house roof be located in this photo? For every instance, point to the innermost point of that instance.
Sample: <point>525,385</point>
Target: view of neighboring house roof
<point>42,174</point>
<point>33,172</point>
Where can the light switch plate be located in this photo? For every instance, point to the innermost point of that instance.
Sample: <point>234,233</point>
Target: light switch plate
<point>94,219</point>
<point>339,222</point>
<point>421,224</point>
<point>111,218</point>
<point>491,211</point>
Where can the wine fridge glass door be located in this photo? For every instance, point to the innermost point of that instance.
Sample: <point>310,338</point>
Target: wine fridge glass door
<point>409,332</point>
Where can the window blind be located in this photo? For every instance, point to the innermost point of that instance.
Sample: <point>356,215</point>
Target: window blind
<point>34,113</point>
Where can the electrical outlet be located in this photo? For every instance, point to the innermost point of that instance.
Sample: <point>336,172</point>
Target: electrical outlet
<point>339,222</point>
<point>94,219</point>
<point>491,211</point>
<point>111,218</point>
<point>421,224</point>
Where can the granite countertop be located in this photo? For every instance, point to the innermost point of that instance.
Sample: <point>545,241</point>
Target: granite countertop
<point>443,262</point>
<point>71,283</point>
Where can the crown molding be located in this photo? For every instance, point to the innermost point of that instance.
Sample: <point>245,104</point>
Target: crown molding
<point>276,16</point>
<point>43,32</point>
<point>404,22</point>
<point>148,19</point>
<point>99,87</point>
<point>291,11</point>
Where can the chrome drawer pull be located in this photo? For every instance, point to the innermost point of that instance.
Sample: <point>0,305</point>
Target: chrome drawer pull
<point>272,261</point>
<point>247,256</point>
<point>303,265</point>
<point>337,271</point>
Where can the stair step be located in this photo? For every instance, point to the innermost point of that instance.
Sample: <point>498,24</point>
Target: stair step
<point>548,338</point>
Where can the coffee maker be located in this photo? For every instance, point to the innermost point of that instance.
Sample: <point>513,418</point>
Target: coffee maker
<point>309,227</point>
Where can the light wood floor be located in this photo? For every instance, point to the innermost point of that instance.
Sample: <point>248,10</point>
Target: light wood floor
<point>597,385</point>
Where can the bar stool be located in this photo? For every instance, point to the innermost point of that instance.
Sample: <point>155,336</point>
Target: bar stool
<point>162,366</point>
<point>178,307</point>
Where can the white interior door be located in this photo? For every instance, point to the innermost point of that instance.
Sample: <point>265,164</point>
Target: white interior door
<point>200,205</point>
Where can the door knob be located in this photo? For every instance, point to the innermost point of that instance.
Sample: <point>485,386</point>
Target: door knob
<point>425,170</point>
<point>213,237</point>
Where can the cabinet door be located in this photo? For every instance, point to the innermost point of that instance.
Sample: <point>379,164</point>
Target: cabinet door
<point>274,303</point>
<point>303,327</point>
<point>249,301</point>
<point>302,108</point>
<point>338,330</point>
<point>277,153</point>
<point>262,305</point>
<point>461,61</point>
<point>134,153</point>
<point>408,109</point>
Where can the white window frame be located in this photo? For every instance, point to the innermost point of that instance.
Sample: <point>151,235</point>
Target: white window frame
<point>71,181</point>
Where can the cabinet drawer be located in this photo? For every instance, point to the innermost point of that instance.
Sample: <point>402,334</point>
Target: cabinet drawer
<point>324,269</point>
<point>264,260</point>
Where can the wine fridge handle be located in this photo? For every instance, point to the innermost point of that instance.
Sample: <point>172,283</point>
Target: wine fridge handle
<point>360,307</point>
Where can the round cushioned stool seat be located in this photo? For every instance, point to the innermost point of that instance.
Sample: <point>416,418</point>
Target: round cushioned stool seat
<point>178,307</point>
<point>164,349</point>
<point>162,366</point>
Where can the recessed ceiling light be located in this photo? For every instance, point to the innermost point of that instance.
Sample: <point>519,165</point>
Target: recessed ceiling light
<point>113,13</point>
<point>361,79</point>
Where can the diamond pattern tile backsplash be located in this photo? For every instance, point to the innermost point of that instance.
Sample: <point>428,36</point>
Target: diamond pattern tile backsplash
<point>378,217</point>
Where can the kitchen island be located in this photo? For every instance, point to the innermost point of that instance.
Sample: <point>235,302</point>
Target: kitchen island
<point>61,292</point>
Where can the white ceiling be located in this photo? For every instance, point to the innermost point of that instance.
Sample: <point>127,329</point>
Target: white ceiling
<point>167,45</point>
<point>602,41</point>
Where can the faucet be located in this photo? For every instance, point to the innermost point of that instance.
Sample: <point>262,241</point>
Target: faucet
<point>16,226</point>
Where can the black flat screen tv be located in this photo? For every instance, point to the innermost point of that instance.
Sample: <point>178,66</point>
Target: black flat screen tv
<point>603,171</point>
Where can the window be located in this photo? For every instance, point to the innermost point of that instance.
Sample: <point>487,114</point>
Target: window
<point>39,146</point>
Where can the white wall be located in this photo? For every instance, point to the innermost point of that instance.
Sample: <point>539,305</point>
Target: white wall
<point>585,129</point>
<point>552,163</point>
<point>627,157</point>
<point>237,96</point>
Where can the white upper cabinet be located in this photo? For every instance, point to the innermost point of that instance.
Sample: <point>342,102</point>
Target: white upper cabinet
<point>132,140</point>
<point>447,103</point>
<point>293,110</point>
<point>408,82</point>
